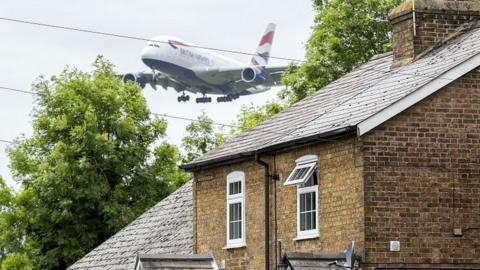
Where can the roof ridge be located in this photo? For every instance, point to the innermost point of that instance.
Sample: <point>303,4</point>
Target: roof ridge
<point>380,55</point>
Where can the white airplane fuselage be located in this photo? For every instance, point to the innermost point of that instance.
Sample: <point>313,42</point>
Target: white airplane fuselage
<point>181,61</point>
<point>185,67</point>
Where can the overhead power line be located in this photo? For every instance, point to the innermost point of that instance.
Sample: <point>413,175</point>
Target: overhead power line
<point>191,120</point>
<point>18,90</point>
<point>397,71</point>
<point>137,38</point>
<point>166,115</point>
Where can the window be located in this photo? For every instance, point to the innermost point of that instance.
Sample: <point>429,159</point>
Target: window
<point>304,176</point>
<point>235,209</point>
<point>306,165</point>
<point>307,213</point>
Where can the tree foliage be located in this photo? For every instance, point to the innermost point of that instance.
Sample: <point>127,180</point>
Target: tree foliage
<point>345,35</point>
<point>250,116</point>
<point>88,169</point>
<point>201,136</point>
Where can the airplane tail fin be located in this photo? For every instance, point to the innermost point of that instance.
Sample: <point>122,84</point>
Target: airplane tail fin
<point>263,50</point>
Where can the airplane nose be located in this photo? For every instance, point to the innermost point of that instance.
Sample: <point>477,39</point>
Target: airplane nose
<point>147,52</point>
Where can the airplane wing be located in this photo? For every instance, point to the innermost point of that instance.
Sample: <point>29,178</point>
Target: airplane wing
<point>154,79</point>
<point>233,75</point>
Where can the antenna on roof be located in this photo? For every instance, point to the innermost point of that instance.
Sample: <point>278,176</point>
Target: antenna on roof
<point>350,255</point>
<point>414,19</point>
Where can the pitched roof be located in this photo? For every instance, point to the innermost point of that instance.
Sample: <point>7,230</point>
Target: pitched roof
<point>175,261</point>
<point>317,261</point>
<point>322,260</point>
<point>165,228</point>
<point>354,98</point>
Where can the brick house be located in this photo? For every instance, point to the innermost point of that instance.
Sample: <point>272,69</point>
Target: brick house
<point>387,156</point>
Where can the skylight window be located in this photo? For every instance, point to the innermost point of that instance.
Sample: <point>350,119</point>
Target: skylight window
<point>306,165</point>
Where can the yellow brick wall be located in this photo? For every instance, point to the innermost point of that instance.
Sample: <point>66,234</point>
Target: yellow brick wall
<point>340,205</point>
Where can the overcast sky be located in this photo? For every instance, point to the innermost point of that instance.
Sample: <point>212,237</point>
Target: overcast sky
<point>28,51</point>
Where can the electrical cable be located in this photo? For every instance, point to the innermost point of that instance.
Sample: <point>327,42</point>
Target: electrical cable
<point>171,116</point>
<point>18,90</point>
<point>387,97</point>
<point>274,132</point>
<point>138,38</point>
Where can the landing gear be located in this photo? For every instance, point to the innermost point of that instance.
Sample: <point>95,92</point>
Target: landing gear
<point>224,99</point>
<point>227,98</point>
<point>183,98</point>
<point>204,100</point>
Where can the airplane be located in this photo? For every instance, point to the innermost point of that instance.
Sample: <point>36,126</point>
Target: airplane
<point>185,67</point>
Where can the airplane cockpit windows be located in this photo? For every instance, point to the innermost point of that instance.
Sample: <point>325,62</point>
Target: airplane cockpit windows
<point>156,45</point>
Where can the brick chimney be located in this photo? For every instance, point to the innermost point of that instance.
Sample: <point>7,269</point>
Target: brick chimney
<point>418,25</point>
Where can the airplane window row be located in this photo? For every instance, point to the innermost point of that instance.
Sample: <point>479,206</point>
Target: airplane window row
<point>154,45</point>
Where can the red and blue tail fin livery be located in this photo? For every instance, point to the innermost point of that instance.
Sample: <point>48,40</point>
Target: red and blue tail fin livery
<point>263,50</point>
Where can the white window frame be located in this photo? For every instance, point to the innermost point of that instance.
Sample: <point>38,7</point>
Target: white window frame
<point>236,176</point>
<point>314,232</point>
<point>308,161</point>
<point>304,161</point>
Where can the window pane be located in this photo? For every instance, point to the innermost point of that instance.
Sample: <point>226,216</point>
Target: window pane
<point>302,221</point>
<point>295,174</point>
<point>299,173</point>
<point>231,230</point>
<point>308,201</point>
<point>235,221</point>
<point>302,203</point>
<point>308,221</point>
<point>314,219</point>
<point>314,207</point>
<point>312,181</point>
<point>235,188</point>
<point>308,211</point>
<point>235,230</point>
<point>302,172</point>
<point>235,211</point>
<point>239,211</point>
<point>238,229</point>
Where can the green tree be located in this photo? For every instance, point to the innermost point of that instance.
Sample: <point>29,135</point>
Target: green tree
<point>202,136</point>
<point>250,116</point>
<point>88,169</point>
<point>17,261</point>
<point>345,35</point>
<point>14,216</point>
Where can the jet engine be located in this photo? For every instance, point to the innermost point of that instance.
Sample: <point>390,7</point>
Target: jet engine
<point>135,77</point>
<point>254,74</point>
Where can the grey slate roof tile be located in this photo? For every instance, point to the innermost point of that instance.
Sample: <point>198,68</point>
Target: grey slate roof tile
<point>348,100</point>
<point>165,228</point>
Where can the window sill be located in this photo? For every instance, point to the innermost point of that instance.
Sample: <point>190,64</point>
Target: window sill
<point>306,237</point>
<point>234,246</point>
